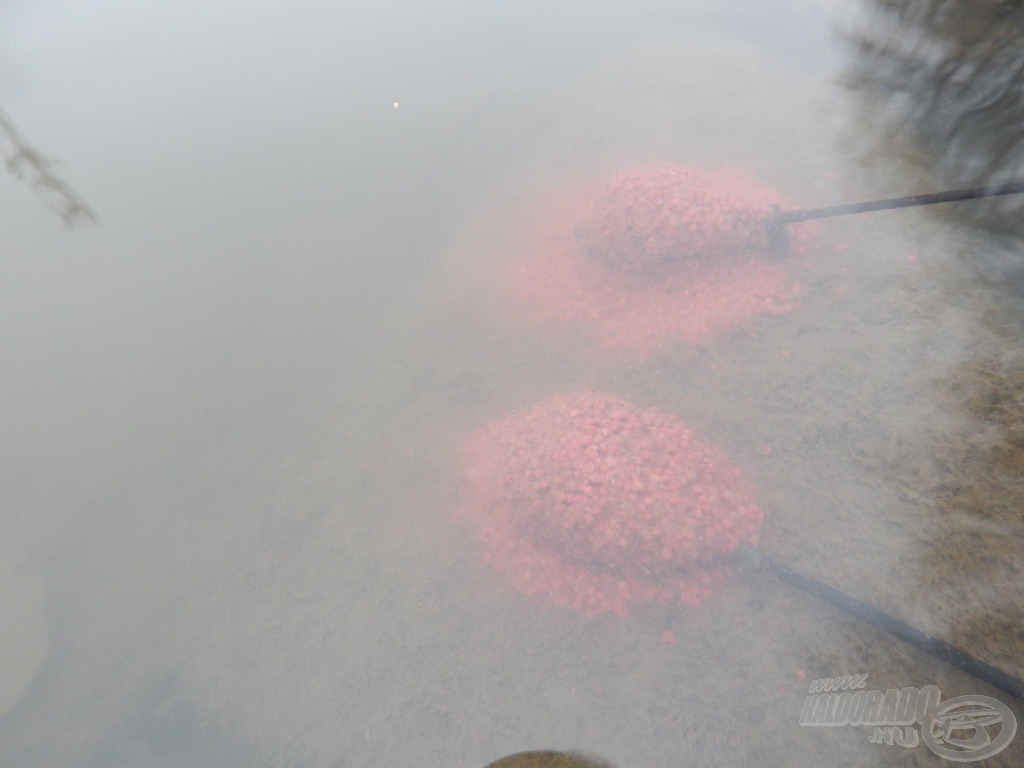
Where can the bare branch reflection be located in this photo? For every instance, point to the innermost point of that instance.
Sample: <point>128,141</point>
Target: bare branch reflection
<point>24,162</point>
<point>944,80</point>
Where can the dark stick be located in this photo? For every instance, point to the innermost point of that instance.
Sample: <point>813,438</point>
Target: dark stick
<point>778,241</point>
<point>791,217</point>
<point>933,646</point>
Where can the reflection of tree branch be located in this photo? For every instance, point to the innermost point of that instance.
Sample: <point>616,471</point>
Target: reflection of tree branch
<point>940,87</point>
<point>26,163</point>
<point>948,76</point>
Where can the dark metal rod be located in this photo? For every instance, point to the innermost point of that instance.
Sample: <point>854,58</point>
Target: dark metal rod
<point>933,646</point>
<point>791,217</point>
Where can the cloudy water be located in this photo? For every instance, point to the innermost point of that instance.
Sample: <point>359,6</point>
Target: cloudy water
<point>249,412</point>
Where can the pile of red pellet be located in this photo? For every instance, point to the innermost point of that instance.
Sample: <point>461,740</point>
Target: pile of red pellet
<point>646,221</point>
<point>678,257</point>
<point>599,505</point>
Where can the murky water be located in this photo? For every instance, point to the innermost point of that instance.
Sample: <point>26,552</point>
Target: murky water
<point>233,410</point>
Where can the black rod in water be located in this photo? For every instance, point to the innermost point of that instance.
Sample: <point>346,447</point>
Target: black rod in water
<point>778,241</point>
<point>792,217</point>
<point>933,646</point>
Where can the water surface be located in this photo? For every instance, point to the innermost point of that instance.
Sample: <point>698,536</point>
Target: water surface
<point>233,409</point>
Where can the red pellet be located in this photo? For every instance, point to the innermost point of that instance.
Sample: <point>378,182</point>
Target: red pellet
<point>609,262</point>
<point>611,534</point>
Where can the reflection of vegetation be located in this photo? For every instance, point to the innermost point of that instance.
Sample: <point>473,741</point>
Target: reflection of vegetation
<point>952,73</point>
<point>25,162</point>
<point>941,87</point>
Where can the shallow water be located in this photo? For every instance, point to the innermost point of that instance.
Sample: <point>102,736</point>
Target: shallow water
<point>233,410</point>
